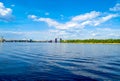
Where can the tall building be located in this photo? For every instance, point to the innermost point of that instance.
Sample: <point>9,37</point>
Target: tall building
<point>55,40</point>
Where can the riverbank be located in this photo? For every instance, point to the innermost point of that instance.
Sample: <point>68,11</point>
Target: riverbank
<point>93,41</point>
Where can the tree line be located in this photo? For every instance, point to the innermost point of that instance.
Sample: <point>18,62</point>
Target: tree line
<point>92,41</point>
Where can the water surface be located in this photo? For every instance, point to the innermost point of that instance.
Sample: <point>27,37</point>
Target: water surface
<point>57,61</point>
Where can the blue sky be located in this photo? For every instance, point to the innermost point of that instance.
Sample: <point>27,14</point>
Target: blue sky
<point>68,19</point>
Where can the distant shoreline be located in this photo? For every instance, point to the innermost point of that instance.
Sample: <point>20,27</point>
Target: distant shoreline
<point>75,41</point>
<point>93,41</point>
<point>60,42</point>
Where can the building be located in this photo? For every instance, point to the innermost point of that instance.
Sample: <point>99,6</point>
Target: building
<point>1,39</point>
<point>56,40</point>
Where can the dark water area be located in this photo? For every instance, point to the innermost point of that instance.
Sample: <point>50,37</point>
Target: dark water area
<point>59,62</point>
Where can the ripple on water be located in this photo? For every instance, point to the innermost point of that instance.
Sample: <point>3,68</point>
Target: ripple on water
<point>38,61</point>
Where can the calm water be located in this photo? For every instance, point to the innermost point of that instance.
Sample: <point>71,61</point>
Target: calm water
<point>50,61</point>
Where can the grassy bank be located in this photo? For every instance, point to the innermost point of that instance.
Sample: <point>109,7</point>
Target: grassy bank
<point>92,41</point>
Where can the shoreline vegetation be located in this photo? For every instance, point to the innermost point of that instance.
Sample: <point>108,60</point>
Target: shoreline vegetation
<point>81,41</point>
<point>93,41</point>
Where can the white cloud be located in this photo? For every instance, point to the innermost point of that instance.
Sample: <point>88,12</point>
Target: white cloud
<point>116,7</point>
<point>5,13</point>
<point>75,27</point>
<point>87,16</point>
<point>97,33</point>
<point>89,19</point>
<point>103,19</point>
<point>32,16</point>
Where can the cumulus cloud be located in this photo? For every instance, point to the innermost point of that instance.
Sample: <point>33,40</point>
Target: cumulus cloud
<point>5,13</point>
<point>75,27</point>
<point>103,19</point>
<point>97,33</point>
<point>86,16</point>
<point>116,7</point>
<point>92,18</point>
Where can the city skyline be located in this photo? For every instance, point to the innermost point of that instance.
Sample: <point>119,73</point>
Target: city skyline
<point>67,19</point>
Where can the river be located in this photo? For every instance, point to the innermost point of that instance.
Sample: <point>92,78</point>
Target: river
<point>59,61</point>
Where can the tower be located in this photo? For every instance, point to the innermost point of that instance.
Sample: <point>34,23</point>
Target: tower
<point>55,40</point>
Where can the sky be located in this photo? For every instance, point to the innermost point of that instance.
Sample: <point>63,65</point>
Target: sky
<point>66,19</point>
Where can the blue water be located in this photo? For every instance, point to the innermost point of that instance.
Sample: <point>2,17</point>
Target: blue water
<point>55,61</point>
